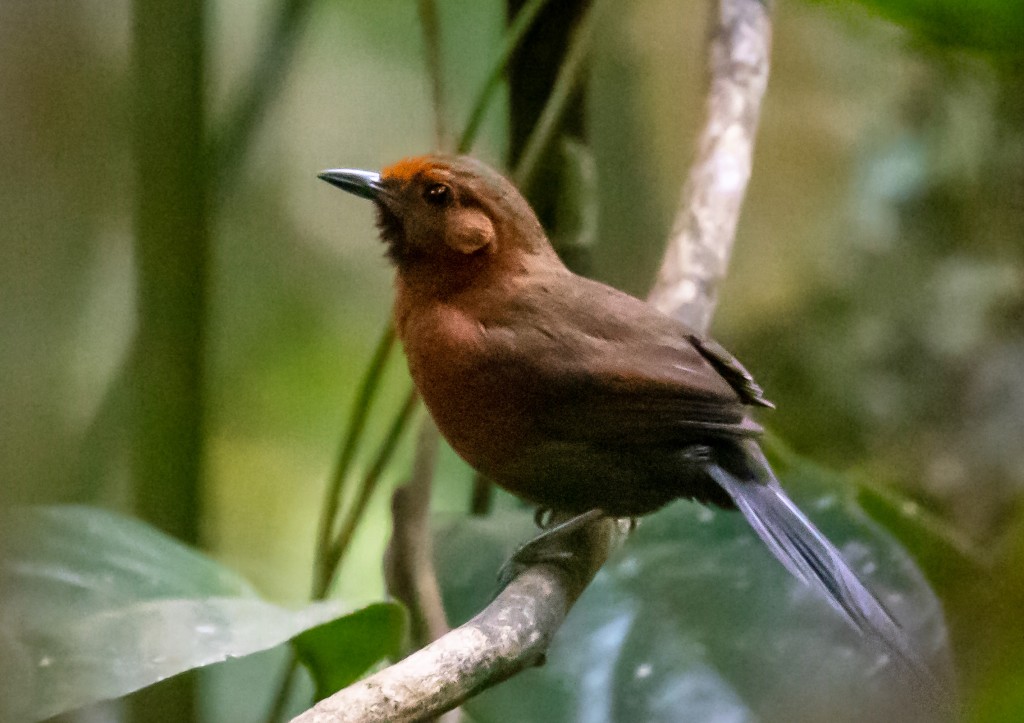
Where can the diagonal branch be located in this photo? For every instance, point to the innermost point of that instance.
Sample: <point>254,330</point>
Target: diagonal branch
<point>509,635</point>
<point>512,633</point>
<point>700,244</point>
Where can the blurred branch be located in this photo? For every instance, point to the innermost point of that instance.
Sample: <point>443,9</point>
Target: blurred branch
<point>409,560</point>
<point>509,635</point>
<point>171,254</point>
<point>482,497</point>
<point>513,632</point>
<point>697,257</point>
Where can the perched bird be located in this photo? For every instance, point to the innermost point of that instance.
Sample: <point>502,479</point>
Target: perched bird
<point>567,392</point>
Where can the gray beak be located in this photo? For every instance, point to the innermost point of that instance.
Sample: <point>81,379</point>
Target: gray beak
<point>362,183</point>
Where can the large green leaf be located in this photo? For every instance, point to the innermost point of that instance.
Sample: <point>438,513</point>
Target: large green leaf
<point>338,652</point>
<point>94,606</point>
<point>693,620</point>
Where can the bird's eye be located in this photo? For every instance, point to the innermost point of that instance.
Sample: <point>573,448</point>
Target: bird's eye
<point>438,195</point>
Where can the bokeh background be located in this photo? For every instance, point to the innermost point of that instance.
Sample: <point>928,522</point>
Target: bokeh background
<point>877,288</point>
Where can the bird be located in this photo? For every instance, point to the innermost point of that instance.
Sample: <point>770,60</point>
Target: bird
<point>569,393</point>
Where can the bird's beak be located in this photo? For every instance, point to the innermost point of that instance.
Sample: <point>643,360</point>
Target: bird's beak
<point>362,183</point>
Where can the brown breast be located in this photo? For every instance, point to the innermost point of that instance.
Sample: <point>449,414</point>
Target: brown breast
<point>482,413</point>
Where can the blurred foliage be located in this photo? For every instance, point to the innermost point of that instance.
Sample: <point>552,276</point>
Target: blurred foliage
<point>991,26</point>
<point>877,287</point>
<point>693,620</point>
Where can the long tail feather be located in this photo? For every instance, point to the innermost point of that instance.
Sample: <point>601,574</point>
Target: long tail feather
<point>809,556</point>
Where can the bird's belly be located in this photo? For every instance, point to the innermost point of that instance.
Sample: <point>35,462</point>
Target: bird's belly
<point>486,422</point>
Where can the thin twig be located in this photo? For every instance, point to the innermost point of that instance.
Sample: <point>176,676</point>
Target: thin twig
<point>368,388</point>
<point>336,551</point>
<point>704,229</point>
<point>262,85</point>
<point>482,498</point>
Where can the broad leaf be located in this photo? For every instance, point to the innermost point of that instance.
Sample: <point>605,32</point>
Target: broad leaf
<point>339,652</point>
<point>694,620</point>
<point>94,606</point>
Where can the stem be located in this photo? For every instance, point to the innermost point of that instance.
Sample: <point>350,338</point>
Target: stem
<point>102,440</point>
<point>284,688</point>
<point>166,383</point>
<point>409,560</point>
<point>233,138</point>
<point>565,83</point>
<point>368,388</point>
<point>432,45</point>
<point>513,37</point>
<point>336,552</point>
<point>172,252</point>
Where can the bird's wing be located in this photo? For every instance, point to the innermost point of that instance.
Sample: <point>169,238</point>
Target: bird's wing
<point>606,367</point>
<point>731,370</point>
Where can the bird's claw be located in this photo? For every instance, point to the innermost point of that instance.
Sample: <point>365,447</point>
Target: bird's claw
<point>528,555</point>
<point>698,454</point>
<point>547,547</point>
<point>543,516</point>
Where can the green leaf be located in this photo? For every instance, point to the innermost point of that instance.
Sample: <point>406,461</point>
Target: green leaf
<point>339,652</point>
<point>94,606</point>
<point>986,25</point>
<point>694,620</point>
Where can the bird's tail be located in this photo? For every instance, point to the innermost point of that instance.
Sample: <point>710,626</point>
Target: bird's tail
<point>808,555</point>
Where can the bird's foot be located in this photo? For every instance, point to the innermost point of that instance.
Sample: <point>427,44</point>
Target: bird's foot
<point>543,517</point>
<point>698,454</point>
<point>547,547</point>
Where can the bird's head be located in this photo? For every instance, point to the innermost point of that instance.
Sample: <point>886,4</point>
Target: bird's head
<point>446,211</point>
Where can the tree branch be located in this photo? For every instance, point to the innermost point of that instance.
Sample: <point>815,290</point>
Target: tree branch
<point>701,241</point>
<point>509,635</point>
<point>513,632</point>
